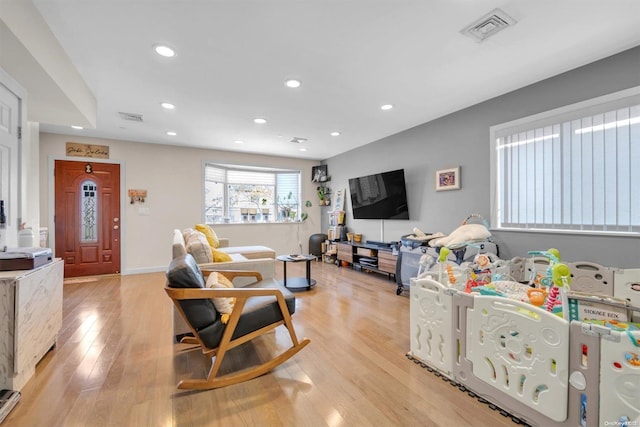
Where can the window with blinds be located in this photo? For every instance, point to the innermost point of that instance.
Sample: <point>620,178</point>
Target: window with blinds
<point>236,194</point>
<point>574,169</point>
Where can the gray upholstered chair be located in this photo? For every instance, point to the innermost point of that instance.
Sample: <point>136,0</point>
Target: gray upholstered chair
<point>257,310</point>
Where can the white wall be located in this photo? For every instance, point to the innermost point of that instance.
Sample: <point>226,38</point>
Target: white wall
<point>172,177</point>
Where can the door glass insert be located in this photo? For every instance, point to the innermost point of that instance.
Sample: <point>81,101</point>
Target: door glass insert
<point>88,211</point>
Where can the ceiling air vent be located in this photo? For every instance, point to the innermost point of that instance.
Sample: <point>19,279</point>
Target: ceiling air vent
<point>488,25</point>
<point>298,140</point>
<point>131,117</point>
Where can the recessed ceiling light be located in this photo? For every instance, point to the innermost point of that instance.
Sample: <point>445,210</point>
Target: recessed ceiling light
<point>293,83</point>
<point>237,141</point>
<point>260,120</point>
<point>386,107</point>
<point>164,50</point>
<point>335,133</point>
<point>77,127</point>
<point>303,149</point>
<point>170,133</point>
<point>167,105</point>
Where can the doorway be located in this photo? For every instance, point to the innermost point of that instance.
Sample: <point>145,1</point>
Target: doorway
<point>9,164</point>
<point>87,217</point>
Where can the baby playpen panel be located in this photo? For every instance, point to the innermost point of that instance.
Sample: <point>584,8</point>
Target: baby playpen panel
<point>627,287</point>
<point>536,268</point>
<point>514,355</point>
<point>619,377</point>
<point>517,269</point>
<point>431,323</point>
<point>591,278</point>
<point>584,376</point>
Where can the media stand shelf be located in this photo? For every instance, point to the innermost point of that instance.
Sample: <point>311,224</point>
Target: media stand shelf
<point>377,257</point>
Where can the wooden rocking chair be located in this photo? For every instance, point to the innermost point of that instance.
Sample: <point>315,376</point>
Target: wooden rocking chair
<point>258,309</point>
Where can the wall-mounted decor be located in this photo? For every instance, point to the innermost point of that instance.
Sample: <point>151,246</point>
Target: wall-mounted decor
<point>448,179</point>
<point>339,200</point>
<point>137,196</point>
<point>319,173</point>
<point>76,149</point>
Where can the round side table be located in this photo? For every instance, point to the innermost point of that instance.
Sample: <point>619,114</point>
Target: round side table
<point>295,284</point>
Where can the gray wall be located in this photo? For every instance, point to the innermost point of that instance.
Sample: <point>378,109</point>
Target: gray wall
<point>462,139</point>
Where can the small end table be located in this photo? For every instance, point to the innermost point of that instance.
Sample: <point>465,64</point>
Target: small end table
<point>298,283</point>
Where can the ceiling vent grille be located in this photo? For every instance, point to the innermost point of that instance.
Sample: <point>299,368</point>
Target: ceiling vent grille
<point>298,140</point>
<point>131,117</point>
<point>488,25</point>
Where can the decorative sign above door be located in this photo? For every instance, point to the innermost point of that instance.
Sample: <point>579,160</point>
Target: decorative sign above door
<point>76,149</point>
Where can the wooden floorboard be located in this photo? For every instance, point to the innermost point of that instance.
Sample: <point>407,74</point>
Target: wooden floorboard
<point>116,364</point>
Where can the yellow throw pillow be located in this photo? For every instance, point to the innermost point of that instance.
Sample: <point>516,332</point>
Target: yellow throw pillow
<point>223,305</point>
<point>211,235</point>
<point>219,256</point>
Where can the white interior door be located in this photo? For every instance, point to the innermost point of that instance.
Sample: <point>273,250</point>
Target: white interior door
<point>9,163</point>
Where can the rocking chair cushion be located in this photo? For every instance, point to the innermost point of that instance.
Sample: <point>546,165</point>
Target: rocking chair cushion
<point>257,313</point>
<point>183,272</point>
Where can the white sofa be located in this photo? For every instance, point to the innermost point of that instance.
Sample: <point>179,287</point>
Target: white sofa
<point>246,258</point>
<point>252,258</point>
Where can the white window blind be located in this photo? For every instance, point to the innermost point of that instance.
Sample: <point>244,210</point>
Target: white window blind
<point>288,183</point>
<point>250,177</point>
<point>214,174</point>
<point>575,171</point>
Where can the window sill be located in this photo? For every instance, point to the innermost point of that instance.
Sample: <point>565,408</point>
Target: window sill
<point>567,232</point>
<point>257,222</point>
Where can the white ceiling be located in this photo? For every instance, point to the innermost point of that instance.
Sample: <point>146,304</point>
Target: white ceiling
<point>352,56</point>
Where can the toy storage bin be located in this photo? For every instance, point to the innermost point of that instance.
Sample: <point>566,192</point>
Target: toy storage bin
<point>514,355</point>
<point>431,320</point>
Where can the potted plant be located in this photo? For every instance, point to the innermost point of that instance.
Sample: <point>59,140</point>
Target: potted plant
<point>286,204</point>
<point>265,209</point>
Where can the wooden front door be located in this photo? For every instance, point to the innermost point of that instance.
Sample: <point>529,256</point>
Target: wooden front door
<point>87,217</point>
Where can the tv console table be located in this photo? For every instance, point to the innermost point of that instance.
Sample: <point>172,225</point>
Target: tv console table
<point>378,257</point>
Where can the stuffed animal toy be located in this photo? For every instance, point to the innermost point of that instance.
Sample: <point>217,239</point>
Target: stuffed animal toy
<point>462,235</point>
<point>420,235</point>
<point>224,305</point>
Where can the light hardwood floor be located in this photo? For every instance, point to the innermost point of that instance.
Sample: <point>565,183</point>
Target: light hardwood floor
<point>115,364</point>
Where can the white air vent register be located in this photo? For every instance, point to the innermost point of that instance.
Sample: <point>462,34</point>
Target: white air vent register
<point>493,22</point>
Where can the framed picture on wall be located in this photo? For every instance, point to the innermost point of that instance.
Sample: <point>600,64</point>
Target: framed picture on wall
<point>319,173</point>
<point>339,200</point>
<point>448,179</point>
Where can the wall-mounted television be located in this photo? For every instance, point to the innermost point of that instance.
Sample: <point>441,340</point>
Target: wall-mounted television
<point>379,196</point>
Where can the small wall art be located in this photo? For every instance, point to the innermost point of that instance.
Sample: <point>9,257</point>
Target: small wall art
<point>319,173</point>
<point>339,200</point>
<point>448,179</point>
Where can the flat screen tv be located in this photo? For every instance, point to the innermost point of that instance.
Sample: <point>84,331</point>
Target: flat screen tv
<point>379,196</point>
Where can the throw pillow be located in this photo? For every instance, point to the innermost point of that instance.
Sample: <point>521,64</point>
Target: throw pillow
<point>199,248</point>
<point>219,256</point>
<point>211,235</point>
<point>224,305</point>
